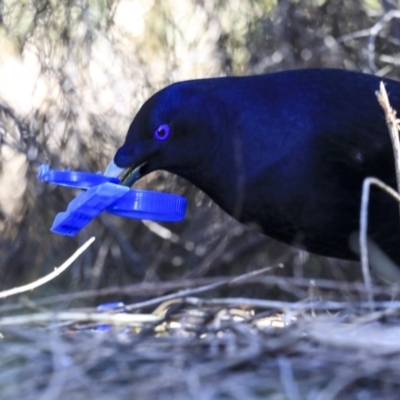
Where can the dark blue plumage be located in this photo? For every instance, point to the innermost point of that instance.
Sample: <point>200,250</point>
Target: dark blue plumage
<point>288,151</point>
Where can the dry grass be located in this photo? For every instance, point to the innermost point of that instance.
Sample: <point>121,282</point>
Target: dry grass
<point>205,352</point>
<point>178,346</point>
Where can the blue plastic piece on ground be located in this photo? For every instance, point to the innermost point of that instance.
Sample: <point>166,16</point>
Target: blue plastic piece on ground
<point>110,306</point>
<point>107,307</point>
<point>76,179</point>
<point>106,194</point>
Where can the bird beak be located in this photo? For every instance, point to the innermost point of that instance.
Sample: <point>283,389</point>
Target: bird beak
<point>127,176</point>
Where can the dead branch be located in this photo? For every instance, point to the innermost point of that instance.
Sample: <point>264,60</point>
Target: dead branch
<point>49,277</point>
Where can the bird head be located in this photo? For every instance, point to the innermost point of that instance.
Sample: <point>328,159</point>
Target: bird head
<point>168,133</point>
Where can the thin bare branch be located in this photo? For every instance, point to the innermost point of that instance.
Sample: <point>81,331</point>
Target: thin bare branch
<point>363,239</point>
<point>202,289</point>
<point>49,277</point>
<point>393,125</point>
<point>79,316</point>
<point>287,305</point>
<point>374,32</point>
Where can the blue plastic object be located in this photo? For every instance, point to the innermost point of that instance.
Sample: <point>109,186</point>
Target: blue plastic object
<point>106,194</point>
<point>85,207</point>
<point>76,179</point>
<point>145,204</point>
<point>108,307</point>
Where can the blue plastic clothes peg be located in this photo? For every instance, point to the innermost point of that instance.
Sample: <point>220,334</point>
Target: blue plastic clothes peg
<point>104,193</point>
<point>76,179</point>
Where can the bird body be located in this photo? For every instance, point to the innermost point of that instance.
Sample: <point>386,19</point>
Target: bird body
<point>288,151</point>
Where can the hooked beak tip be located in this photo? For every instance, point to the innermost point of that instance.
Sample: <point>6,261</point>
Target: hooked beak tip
<point>127,176</point>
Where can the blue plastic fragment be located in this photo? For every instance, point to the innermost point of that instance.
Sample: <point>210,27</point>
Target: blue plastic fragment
<point>107,307</point>
<point>106,194</point>
<point>76,179</point>
<point>110,306</point>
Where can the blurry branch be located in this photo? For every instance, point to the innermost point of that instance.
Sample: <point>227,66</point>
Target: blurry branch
<point>73,316</point>
<point>375,316</point>
<point>390,5</point>
<point>161,231</point>
<point>79,316</point>
<point>7,111</point>
<point>351,36</point>
<point>374,32</point>
<point>202,289</point>
<point>287,305</point>
<point>208,261</point>
<point>153,289</point>
<point>288,380</point>
<point>23,129</point>
<point>131,254</point>
<point>49,277</point>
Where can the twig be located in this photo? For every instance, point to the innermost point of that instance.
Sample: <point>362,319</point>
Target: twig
<point>202,289</point>
<point>393,124</point>
<point>79,316</point>
<point>161,231</point>
<point>49,277</point>
<point>131,254</point>
<point>374,31</point>
<point>155,289</point>
<point>287,305</point>
<point>371,33</point>
<point>287,378</point>
<point>208,261</point>
<point>363,240</point>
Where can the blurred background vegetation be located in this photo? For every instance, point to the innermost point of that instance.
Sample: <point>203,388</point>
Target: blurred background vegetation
<point>73,73</point>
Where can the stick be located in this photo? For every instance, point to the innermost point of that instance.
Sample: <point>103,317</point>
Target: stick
<point>49,277</point>
<point>393,124</point>
<point>363,240</point>
<point>79,316</point>
<point>201,289</point>
<point>287,305</point>
<point>154,289</point>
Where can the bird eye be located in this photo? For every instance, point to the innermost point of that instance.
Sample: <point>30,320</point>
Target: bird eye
<point>162,132</point>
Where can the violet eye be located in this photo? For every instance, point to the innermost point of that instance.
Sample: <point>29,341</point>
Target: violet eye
<point>162,132</point>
